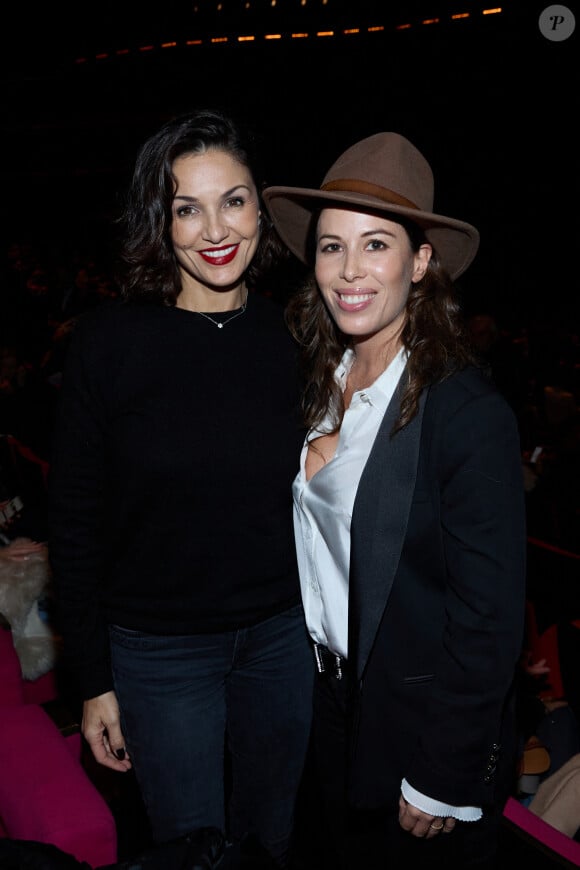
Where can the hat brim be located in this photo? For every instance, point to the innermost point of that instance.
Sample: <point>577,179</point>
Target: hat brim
<point>294,209</point>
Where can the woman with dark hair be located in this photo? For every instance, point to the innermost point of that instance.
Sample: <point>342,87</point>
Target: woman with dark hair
<point>170,503</point>
<point>409,521</point>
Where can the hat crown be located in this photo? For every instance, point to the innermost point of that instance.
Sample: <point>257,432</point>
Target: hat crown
<point>382,174</point>
<point>389,161</point>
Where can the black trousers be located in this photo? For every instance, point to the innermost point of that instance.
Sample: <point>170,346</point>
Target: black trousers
<point>373,839</point>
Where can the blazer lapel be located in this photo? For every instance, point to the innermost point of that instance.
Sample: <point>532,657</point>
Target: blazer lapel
<point>379,523</point>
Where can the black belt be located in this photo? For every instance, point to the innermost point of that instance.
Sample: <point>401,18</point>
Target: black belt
<point>329,663</point>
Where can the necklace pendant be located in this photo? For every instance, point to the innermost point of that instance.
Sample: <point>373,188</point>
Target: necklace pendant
<point>230,318</point>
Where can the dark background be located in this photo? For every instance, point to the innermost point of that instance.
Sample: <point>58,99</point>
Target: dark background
<point>490,101</point>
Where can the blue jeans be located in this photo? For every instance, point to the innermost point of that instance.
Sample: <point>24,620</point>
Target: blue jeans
<point>217,726</point>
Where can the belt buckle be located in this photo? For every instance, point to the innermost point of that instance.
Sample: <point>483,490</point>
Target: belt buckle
<point>320,653</point>
<point>318,657</point>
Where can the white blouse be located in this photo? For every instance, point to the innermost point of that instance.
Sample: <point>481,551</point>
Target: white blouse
<point>323,506</point>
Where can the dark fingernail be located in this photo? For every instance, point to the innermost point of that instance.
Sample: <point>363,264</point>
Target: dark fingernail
<point>120,753</point>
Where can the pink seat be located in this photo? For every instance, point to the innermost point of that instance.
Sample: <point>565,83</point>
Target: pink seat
<point>549,839</point>
<point>45,793</point>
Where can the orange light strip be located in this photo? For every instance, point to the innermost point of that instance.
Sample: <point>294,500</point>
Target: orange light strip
<point>296,35</point>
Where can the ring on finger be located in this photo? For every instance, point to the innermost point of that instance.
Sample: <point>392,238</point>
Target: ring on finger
<point>437,827</point>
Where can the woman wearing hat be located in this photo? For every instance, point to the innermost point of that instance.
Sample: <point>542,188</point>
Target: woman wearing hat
<point>409,520</point>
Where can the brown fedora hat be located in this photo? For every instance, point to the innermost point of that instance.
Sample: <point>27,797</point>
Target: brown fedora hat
<point>384,173</point>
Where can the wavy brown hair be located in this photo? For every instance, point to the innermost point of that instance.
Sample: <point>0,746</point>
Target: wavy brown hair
<point>147,267</point>
<point>434,336</point>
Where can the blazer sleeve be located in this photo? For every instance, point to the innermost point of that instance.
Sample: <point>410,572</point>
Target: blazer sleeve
<point>476,454</point>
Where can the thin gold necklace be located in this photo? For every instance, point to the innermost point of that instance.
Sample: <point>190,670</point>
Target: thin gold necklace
<point>222,323</point>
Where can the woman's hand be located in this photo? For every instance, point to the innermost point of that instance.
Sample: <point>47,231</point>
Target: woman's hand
<point>421,824</point>
<point>101,729</point>
<point>22,549</point>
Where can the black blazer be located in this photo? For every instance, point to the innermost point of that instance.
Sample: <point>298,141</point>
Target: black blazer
<point>437,599</point>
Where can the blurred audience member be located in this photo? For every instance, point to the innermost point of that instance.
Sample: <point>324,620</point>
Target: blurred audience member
<point>505,358</point>
<point>27,401</point>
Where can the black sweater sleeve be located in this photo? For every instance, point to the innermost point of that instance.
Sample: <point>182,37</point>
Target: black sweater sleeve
<point>77,509</point>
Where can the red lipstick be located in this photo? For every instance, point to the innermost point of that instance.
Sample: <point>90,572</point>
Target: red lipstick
<point>219,256</point>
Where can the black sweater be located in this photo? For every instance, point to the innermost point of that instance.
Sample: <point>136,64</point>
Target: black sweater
<point>175,447</point>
